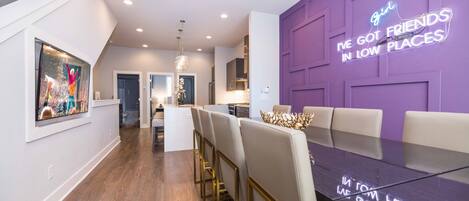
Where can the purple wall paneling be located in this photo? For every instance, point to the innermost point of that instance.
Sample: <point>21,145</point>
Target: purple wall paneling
<point>313,94</point>
<point>429,78</point>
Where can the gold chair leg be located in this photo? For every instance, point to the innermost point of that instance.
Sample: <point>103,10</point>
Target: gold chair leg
<point>194,156</point>
<point>214,187</point>
<point>202,179</point>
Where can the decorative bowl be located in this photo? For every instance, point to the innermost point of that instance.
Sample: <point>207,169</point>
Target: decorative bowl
<point>298,121</point>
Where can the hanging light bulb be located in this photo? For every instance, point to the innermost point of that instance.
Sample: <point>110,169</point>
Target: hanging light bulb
<point>181,61</point>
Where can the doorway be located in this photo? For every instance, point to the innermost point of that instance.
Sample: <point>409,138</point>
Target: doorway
<point>127,89</point>
<point>160,93</point>
<point>190,88</point>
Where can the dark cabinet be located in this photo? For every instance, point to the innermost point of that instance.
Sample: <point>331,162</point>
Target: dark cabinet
<point>236,77</point>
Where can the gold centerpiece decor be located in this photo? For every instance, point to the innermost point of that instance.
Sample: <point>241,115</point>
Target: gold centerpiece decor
<point>298,121</point>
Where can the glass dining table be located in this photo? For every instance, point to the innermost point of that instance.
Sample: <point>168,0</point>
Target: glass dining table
<point>348,166</point>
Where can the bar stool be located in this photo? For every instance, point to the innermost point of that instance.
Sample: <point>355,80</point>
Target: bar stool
<point>230,156</point>
<point>208,154</point>
<point>196,140</point>
<point>277,158</point>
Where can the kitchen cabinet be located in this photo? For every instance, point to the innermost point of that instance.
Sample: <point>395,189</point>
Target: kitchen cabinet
<point>236,77</point>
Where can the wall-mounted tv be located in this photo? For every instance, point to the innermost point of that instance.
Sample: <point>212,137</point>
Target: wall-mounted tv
<point>62,84</point>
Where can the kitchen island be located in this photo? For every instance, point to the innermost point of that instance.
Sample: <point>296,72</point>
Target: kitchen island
<point>178,128</point>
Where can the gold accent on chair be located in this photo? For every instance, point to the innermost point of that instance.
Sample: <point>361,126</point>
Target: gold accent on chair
<point>210,170</point>
<point>196,153</point>
<point>253,185</point>
<point>219,156</point>
<point>298,121</point>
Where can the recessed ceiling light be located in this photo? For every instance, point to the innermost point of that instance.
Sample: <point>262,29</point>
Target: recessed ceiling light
<point>208,37</point>
<point>139,30</point>
<point>145,45</point>
<point>128,2</point>
<point>224,16</point>
<point>199,50</point>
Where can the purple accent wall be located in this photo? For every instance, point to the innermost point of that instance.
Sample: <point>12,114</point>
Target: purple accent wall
<point>430,78</point>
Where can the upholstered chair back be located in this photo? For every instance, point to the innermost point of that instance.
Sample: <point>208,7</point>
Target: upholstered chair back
<point>282,108</point>
<point>207,130</point>
<point>230,144</point>
<point>322,116</point>
<point>278,161</point>
<point>359,121</point>
<point>437,129</point>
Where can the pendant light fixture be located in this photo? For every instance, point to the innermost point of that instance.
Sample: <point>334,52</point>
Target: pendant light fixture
<point>181,61</point>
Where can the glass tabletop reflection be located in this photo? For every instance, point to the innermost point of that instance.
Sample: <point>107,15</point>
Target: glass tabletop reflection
<point>346,163</point>
<point>450,186</point>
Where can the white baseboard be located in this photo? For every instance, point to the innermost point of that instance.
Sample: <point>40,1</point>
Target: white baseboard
<point>61,192</point>
<point>145,126</point>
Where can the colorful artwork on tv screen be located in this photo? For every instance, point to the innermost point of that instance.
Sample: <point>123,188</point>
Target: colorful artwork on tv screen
<point>62,83</point>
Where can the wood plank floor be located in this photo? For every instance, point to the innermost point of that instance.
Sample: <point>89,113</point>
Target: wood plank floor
<point>133,171</point>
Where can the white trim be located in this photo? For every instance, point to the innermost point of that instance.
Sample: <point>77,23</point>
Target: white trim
<point>195,84</point>
<point>148,87</point>
<point>34,132</point>
<point>140,89</point>
<point>18,15</point>
<point>61,192</point>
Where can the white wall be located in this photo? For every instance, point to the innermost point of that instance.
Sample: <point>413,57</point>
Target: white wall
<point>86,25</point>
<point>264,63</point>
<point>223,55</point>
<point>116,58</point>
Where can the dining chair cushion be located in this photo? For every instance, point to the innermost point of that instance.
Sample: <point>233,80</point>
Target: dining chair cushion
<point>322,116</point>
<point>282,108</point>
<point>217,108</point>
<point>437,129</point>
<point>230,144</point>
<point>277,158</point>
<point>359,121</point>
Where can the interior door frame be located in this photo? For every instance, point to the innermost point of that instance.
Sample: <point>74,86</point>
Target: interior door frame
<point>148,87</point>
<point>195,83</point>
<point>140,90</point>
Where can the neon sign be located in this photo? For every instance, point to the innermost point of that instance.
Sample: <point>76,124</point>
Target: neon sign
<point>349,185</point>
<point>378,15</point>
<point>407,34</point>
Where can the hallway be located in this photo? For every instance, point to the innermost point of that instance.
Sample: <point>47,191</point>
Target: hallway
<point>132,171</point>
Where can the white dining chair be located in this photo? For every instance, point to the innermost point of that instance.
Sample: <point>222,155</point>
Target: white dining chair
<point>223,108</point>
<point>322,116</point>
<point>278,162</point>
<point>230,155</point>
<point>358,121</point>
<point>281,108</point>
<point>437,129</point>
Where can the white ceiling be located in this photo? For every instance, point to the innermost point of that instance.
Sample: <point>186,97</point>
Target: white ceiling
<point>160,21</point>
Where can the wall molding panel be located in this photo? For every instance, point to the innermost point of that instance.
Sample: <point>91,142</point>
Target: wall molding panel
<point>324,87</point>
<point>433,79</point>
<point>324,16</point>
